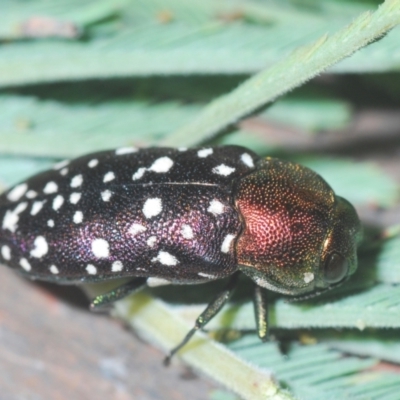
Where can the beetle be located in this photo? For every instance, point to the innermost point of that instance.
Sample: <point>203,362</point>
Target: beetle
<point>181,216</point>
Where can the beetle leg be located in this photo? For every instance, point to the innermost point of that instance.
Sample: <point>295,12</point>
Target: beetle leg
<point>211,310</point>
<point>261,312</point>
<point>106,299</point>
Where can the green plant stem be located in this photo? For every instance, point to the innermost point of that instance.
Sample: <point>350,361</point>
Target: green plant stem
<point>305,63</point>
<point>164,328</point>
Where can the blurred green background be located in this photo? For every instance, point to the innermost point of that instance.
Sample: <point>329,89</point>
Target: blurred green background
<point>77,76</point>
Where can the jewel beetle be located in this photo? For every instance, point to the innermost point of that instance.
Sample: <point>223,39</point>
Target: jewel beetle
<point>181,216</point>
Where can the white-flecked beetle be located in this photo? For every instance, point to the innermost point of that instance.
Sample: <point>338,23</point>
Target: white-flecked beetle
<point>180,216</point>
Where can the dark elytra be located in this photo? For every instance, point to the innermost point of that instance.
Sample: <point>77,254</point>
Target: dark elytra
<point>182,216</point>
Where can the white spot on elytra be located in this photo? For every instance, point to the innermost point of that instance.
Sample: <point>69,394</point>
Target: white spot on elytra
<point>203,153</point>
<point>136,229</point>
<point>6,252</point>
<point>58,202</point>
<point>23,262</point>
<point>165,258</point>
<point>50,223</point>
<point>93,163</point>
<point>182,148</point>
<point>11,218</point>
<point>77,181</point>
<point>75,197</point>
<point>64,171</point>
<point>100,248</point>
<point>308,277</point>
<point>151,241</point>
<point>226,244</point>
<point>152,207</point>
<point>16,193</point>
<point>91,269</point>
<point>154,282</point>
<point>21,207</point>
<point>208,276</point>
<point>41,247</point>
<point>109,176</point>
<point>223,170</point>
<point>78,217</point>
<point>161,165</point>
<point>125,150</point>
<point>51,187</point>
<point>216,207</point>
<point>106,195</point>
<point>138,174</point>
<point>247,160</point>
<point>37,206</point>
<point>31,194</point>
<point>117,266</point>
<point>54,270</point>
<point>61,164</point>
<point>187,231</point>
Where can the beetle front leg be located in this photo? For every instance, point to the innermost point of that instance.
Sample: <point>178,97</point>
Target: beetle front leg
<point>261,312</point>
<point>211,310</point>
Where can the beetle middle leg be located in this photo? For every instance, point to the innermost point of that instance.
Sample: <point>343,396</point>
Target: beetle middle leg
<point>211,310</point>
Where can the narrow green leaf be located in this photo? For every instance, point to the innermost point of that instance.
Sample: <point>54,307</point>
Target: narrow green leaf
<point>48,128</point>
<point>144,45</point>
<point>309,114</point>
<point>317,372</point>
<point>359,183</point>
<point>377,307</point>
<point>299,67</point>
<point>388,261</point>
<point>246,139</point>
<point>65,128</point>
<point>15,169</point>
<point>373,307</point>
<point>380,344</point>
<point>15,13</point>
<point>154,321</point>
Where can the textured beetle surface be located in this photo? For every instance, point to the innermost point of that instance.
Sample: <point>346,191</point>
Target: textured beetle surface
<point>182,216</point>
<point>154,212</point>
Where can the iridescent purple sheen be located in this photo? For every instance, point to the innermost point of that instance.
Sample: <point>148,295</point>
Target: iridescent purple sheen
<point>183,182</point>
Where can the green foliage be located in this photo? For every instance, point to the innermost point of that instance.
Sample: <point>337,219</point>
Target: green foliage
<point>60,129</point>
<point>310,115</point>
<point>81,76</point>
<point>387,260</point>
<point>357,182</point>
<point>81,13</point>
<point>142,38</point>
<point>315,372</point>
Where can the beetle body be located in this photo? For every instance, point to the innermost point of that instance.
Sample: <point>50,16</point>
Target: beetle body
<point>178,216</point>
<point>162,215</point>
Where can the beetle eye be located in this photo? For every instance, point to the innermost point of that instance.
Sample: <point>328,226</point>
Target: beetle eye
<point>336,268</point>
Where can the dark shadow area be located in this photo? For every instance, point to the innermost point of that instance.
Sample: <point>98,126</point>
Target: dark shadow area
<point>69,294</point>
<point>201,88</point>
